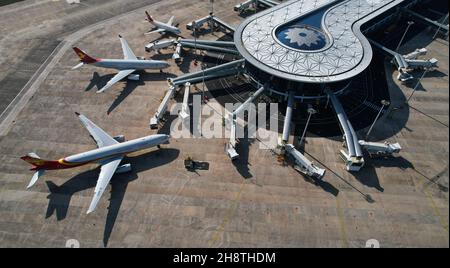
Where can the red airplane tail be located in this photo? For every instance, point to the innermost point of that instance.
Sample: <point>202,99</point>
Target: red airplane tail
<point>39,163</point>
<point>149,18</point>
<point>85,58</point>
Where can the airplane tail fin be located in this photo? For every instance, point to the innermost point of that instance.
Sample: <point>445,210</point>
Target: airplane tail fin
<point>149,17</point>
<point>37,162</point>
<point>84,58</point>
<point>39,165</point>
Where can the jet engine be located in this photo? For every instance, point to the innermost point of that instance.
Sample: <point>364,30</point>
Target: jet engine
<point>119,138</point>
<point>134,77</point>
<point>123,169</point>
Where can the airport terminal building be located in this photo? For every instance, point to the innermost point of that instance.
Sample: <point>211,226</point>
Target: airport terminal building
<point>300,45</point>
<point>304,54</point>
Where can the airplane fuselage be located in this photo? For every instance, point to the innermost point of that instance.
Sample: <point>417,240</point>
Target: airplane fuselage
<point>166,27</point>
<point>97,155</point>
<point>131,64</point>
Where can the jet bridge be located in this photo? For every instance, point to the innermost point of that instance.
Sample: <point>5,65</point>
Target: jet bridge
<point>378,149</point>
<point>288,117</point>
<point>212,21</point>
<point>407,62</point>
<point>215,46</point>
<point>176,55</point>
<point>226,44</point>
<point>247,4</point>
<point>184,114</point>
<point>303,165</point>
<point>353,158</point>
<point>416,54</point>
<point>231,147</point>
<point>154,121</point>
<point>223,70</point>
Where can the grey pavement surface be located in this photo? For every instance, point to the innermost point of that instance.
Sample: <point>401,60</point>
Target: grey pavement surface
<point>160,204</point>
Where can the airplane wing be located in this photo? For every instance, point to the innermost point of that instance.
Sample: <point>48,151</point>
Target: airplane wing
<point>107,171</point>
<point>119,76</point>
<point>155,31</point>
<point>100,136</point>
<point>128,54</point>
<point>170,22</point>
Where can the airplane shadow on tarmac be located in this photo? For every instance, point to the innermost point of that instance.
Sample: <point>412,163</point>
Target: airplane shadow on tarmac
<point>60,196</point>
<point>100,81</point>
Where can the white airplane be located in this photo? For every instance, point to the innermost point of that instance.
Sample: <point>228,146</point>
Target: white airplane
<point>109,154</point>
<point>126,66</point>
<point>161,27</point>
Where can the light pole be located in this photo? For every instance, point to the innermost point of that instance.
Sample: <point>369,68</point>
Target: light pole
<point>195,41</point>
<point>446,17</point>
<point>383,103</point>
<point>417,85</point>
<point>212,6</point>
<point>203,78</point>
<point>404,34</point>
<point>311,111</point>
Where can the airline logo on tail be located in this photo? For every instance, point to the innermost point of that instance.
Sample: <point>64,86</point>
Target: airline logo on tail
<point>81,55</point>
<point>85,58</point>
<point>39,163</point>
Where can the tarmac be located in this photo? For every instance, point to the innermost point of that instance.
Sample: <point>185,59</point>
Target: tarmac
<point>258,201</point>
